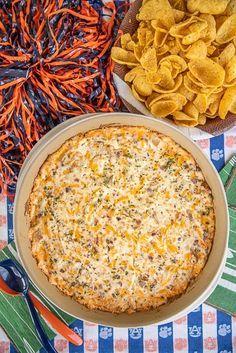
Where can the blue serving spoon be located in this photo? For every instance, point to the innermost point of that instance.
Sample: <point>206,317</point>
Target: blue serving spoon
<point>16,278</point>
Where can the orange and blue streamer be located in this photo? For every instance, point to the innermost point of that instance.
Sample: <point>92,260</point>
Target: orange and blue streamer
<point>54,64</point>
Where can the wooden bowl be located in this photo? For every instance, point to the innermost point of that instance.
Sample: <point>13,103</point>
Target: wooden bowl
<point>130,24</point>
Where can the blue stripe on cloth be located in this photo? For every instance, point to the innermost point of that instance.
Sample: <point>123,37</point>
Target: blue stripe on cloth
<point>42,350</point>
<point>10,220</point>
<point>224,332</point>
<point>105,339</point>
<point>78,327</point>
<point>195,341</point>
<point>12,349</point>
<point>217,151</point>
<point>135,340</point>
<point>165,338</point>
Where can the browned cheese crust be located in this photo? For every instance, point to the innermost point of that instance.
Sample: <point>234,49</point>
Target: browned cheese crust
<point>121,219</point>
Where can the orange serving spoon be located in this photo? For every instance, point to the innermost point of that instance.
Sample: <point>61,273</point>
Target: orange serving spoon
<point>57,324</point>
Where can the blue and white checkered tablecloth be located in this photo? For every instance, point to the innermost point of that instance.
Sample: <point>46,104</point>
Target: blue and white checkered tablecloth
<point>204,330</point>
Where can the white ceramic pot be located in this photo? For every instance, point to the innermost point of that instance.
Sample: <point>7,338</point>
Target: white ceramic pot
<point>197,292</point>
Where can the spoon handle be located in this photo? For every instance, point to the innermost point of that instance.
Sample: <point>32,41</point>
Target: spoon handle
<point>38,326</point>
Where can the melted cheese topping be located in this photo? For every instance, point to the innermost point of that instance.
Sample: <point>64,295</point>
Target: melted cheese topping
<point>121,219</point>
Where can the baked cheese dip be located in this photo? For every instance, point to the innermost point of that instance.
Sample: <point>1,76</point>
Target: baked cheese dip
<point>121,219</point>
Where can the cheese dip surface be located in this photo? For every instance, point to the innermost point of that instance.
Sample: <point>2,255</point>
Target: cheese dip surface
<point>121,219</point>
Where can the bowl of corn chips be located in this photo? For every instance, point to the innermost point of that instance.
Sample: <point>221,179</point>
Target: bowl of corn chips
<point>179,59</point>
